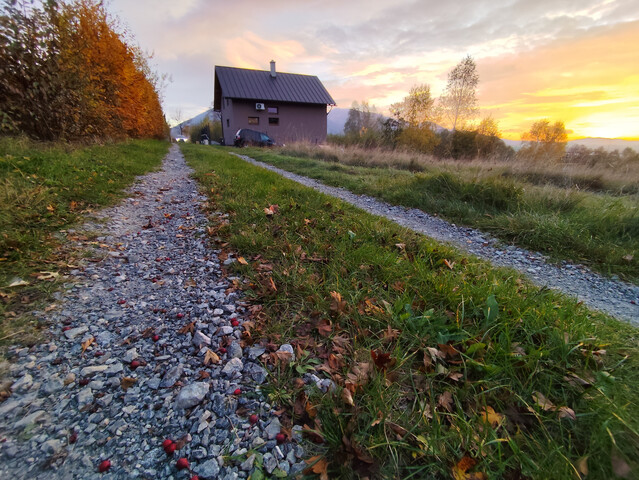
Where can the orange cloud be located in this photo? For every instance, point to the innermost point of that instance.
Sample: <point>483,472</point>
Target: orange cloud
<point>590,83</point>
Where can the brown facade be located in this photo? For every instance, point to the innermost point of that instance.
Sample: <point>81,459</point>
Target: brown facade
<point>282,121</point>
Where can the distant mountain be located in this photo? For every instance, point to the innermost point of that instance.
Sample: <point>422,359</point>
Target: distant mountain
<point>337,119</point>
<point>195,121</point>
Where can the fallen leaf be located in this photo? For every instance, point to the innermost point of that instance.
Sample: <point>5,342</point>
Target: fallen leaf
<point>449,264</point>
<point>445,401</point>
<point>50,208</point>
<point>188,328</point>
<point>379,418</point>
<point>210,357</point>
<point>582,466</point>
<point>203,374</point>
<point>18,282</point>
<point>87,343</point>
<point>566,412</point>
<point>401,246</point>
<point>460,470</point>
<point>628,258</point>
<point>271,210</point>
<point>347,397</point>
<point>382,360</point>
<point>127,382</point>
<point>324,327</point>
<point>47,275</point>
<point>543,402</point>
<point>317,465</point>
<point>398,429</point>
<point>619,466</point>
<point>337,304</point>
<point>242,261</point>
<point>491,417</point>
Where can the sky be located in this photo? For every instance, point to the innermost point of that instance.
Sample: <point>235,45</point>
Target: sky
<point>575,61</point>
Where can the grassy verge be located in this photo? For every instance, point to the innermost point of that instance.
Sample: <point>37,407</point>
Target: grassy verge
<point>596,229</point>
<point>45,188</point>
<point>444,367</point>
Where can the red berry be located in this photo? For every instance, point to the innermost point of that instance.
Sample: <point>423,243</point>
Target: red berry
<point>222,350</point>
<point>180,315</point>
<point>182,463</point>
<point>156,338</point>
<point>134,364</point>
<point>98,354</point>
<point>73,437</point>
<point>64,329</point>
<point>170,448</point>
<point>235,323</point>
<point>167,259</point>
<point>237,391</point>
<point>195,477</point>
<point>280,438</point>
<point>121,301</point>
<point>104,466</point>
<point>83,381</point>
<point>253,419</point>
<point>167,442</point>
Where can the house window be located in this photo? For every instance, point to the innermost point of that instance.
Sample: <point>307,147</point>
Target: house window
<point>254,120</point>
<point>273,121</point>
<point>274,110</point>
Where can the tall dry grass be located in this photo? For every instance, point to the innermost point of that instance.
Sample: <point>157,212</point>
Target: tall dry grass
<point>619,177</point>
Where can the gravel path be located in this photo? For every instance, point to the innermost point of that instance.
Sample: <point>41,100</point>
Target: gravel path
<point>619,299</point>
<point>140,379</point>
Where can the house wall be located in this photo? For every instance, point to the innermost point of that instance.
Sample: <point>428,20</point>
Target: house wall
<point>297,121</point>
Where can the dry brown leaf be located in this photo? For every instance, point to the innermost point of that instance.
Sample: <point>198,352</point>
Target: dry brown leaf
<point>87,343</point>
<point>398,429</point>
<point>271,284</point>
<point>324,327</point>
<point>619,466</point>
<point>271,210</point>
<point>449,264</point>
<point>566,412</point>
<point>203,374</point>
<point>379,418</point>
<point>242,261</point>
<point>445,401</point>
<point>47,275</point>
<point>455,376</point>
<point>318,465</point>
<point>188,328</point>
<point>628,258</point>
<point>543,402</point>
<point>382,361</point>
<point>127,382</point>
<point>582,466</point>
<point>337,304</point>
<point>210,357</point>
<point>347,397</point>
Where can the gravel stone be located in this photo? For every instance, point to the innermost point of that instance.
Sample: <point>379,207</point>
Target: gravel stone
<point>154,260</point>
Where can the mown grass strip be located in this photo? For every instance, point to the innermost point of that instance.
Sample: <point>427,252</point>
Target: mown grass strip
<point>444,366</point>
<point>599,230</point>
<point>43,189</point>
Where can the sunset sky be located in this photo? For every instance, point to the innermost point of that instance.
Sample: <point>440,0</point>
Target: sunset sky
<point>570,60</point>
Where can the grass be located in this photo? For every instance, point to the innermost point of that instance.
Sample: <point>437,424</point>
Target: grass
<point>598,229</point>
<point>45,188</point>
<point>475,373</point>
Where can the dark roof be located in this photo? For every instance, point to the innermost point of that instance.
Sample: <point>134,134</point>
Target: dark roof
<point>259,85</point>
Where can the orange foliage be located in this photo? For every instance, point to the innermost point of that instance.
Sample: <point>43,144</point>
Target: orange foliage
<point>103,86</point>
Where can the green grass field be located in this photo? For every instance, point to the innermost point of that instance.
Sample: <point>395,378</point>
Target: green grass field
<point>598,229</point>
<point>444,366</point>
<point>43,189</point>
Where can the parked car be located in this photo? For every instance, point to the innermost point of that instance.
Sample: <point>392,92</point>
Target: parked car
<point>181,138</point>
<point>246,136</point>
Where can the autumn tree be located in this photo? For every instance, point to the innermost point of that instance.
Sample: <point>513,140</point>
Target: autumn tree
<point>67,73</point>
<point>415,119</point>
<point>459,101</point>
<point>545,141</point>
<point>487,137</point>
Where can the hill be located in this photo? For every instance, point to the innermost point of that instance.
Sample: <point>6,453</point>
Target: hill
<point>175,130</point>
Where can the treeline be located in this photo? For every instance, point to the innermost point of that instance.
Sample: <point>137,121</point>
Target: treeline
<point>447,127</point>
<point>66,73</point>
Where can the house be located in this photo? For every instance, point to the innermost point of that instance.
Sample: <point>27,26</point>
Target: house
<point>287,107</point>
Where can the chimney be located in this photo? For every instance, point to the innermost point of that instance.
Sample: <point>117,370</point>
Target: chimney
<point>273,74</point>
